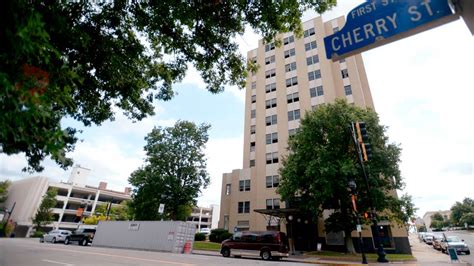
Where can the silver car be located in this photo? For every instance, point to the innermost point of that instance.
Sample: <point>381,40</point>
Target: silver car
<point>56,236</point>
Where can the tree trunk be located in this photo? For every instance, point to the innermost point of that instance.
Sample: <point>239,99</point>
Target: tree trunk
<point>349,244</point>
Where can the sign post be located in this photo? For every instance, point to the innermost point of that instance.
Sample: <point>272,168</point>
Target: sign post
<point>378,22</point>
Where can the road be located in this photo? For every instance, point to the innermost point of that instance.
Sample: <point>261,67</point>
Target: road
<point>24,251</point>
<point>468,239</point>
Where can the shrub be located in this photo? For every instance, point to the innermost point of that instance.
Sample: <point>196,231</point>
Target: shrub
<point>38,234</point>
<point>199,237</point>
<point>219,235</point>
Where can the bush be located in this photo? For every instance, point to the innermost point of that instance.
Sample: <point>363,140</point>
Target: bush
<point>38,234</point>
<point>219,235</point>
<point>199,237</point>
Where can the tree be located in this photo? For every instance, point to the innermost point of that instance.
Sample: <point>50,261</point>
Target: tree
<point>82,59</point>
<point>322,160</point>
<point>44,215</point>
<point>461,208</point>
<point>117,213</point>
<point>4,190</point>
<point>407,207</point>
<point>174,172</point>
<point>438,221</point>
<point>468,218</point>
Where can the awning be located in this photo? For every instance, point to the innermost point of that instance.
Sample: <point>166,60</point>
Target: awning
<point>279,213</point>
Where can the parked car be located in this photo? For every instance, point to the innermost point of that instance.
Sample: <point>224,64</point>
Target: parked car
<point>82,236</point>
<point>437,239</point>
<point>265,244</point>
<point>456,243</point>
<point>428,238</point>
<point>421,235</point>
<point>54,236</point>
<point>205,231</point>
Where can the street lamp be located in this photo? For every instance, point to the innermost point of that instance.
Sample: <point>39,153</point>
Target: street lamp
<point>353,186</point>
<point>290,240</point>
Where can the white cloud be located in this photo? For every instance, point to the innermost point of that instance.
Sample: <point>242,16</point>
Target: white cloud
<point>223,155</point>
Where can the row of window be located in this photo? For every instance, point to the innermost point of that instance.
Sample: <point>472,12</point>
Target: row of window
<point>271,204</point>
<point>294,97</point>
<point>271,181</point>
<point>290,39</point>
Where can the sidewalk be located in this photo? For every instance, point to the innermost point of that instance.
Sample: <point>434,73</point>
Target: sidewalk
<point>426,255</point>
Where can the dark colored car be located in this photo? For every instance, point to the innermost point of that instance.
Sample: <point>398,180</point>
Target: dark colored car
<point>265,244</point>
<point>82,236</point>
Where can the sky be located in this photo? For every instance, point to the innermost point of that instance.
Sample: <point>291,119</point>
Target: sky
<point>422,88</point>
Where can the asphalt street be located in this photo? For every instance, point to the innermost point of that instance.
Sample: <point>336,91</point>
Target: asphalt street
<point>24,251</point>
<point>468,239</point>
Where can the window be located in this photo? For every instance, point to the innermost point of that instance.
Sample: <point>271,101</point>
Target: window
<point>227,189</point>
<point>273,204</point>
<point>270,87</point>
<point>310,46</point>
<point>272,181</point>
<point>244,185</point>
<point>312,60</point>
<point>254,59</point>
<point>309,32</point>
<point>292,131</point>
<point>290,52</point>
<point>244,207</point>
<point>269,60</point>
<point>344,73</point>
<point>317,91</point>
<point>253,113</point>
<point>342,60</point>
<point>269,47</point>
<point>348,90</point>
<point>252,129</point>
<point>252,146</point>
<point>271,120</point>
<point>270,103</point>
<point>288,40</point>
<point>271,138</point>
<point>254,98</point>
<point>226,222</point>
<point>270,73</point>
<point>291,82</point>
<point>290,67</point>
<point>335,29</point>
<point>272,157</point>
<point>314,75</point>
<point>292,97</point>
<point>294,115</point>
<point>254,85</point>
<point>252,163</point>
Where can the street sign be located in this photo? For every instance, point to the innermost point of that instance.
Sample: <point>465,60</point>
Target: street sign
<point>453,254</point>
<point>161,209</point>
<point>378,22</point>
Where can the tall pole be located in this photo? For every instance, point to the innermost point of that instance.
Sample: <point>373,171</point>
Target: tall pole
<point>353,186</point>
<point>379,245</point>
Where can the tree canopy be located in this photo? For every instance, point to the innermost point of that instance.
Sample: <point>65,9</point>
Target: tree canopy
<point>322,160</point>
<point>84,60</point>
<point>459,209</point>
<point>174,172</point>
<point>117,213</point>
<point>44,215</point>
<point>4,190</point>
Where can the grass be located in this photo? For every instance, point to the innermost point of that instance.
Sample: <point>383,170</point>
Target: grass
<point>205,245</point>
<point>370,256</point>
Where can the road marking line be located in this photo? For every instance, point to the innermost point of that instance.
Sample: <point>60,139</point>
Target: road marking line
<point>57,262</point>
<point>113,255</point>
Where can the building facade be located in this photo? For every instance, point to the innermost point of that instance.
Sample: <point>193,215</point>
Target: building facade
<point>292,79</point>
<point>205,217</point>
<point>75,200</point>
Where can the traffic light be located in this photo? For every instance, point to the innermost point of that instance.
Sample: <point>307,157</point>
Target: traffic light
<point>363,139</point>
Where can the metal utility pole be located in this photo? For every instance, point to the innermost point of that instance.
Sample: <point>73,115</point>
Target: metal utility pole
<point>364,155</point>
<point>353,186</point>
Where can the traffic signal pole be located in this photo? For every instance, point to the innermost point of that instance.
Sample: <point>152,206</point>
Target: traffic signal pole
<point>362,156</point>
